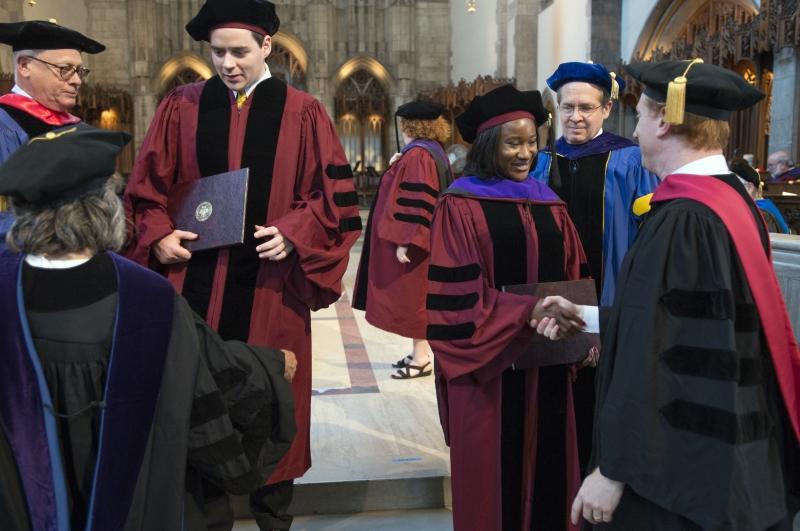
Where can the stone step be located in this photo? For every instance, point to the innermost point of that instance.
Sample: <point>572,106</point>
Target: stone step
<point>347,497</point>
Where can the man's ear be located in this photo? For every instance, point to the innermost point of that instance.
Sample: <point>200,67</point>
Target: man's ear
<point>663,127</point>
<point>266,46</point>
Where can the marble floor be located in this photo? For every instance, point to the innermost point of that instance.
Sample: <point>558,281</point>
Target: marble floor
<point>365,425</point>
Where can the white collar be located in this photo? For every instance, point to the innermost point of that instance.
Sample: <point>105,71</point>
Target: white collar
<point>249,90</point>
<point>16,89</point>
<point>711,165</point>
<point>36,260</point>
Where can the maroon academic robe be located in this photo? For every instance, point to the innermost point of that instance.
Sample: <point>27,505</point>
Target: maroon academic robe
<point>512,433</point>
<point>300,182</point>
<point>393,294</point>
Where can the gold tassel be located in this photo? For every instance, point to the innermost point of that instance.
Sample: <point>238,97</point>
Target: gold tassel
<point>3,204</point>
<point>614,86</point>
<point>676,97</point>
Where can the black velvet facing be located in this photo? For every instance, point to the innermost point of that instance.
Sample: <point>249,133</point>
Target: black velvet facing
<point>508,242</point>
<point>416,203</point>
<point>410,218</point>
<point>450,332</point>
<point>362,280</point>
<point>463,273</point>
<point>345,199</point>
<point>258,154</point>
<point>747,319</point>
<point>713,364</point>
<point>339,172</point>
<point>451,303</point>
<point>349,224</point>
<point>419,187</point>
<point>717,305</point>
<point>717,423</point>
<point>551,244</point>
<point>30,124</point>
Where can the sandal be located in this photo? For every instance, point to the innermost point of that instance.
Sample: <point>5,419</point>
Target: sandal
<point>405,372</point>
<point>403,362</point>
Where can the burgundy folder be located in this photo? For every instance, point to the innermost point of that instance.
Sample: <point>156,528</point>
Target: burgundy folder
<point>212,207</point>
<point>538,351</point>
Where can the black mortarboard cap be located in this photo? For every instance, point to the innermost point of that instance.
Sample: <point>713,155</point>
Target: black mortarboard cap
<point>498,106</point>
<point>255,15</point>
<point>742,168</point>
<point>705,90</point>
<point>420,110</point>
<point>44,35</point>
<point>62,165</point>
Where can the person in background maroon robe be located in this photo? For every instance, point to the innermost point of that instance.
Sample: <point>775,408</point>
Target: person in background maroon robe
<point>301,216</point>
<point>513,434</point>
<point>393,271</point>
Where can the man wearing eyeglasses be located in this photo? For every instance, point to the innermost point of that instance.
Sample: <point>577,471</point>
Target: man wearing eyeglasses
<point>599,174</point>
<point>48,72</point>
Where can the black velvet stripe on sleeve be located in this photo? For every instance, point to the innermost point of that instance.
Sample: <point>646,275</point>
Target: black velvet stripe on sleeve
<point>747,319</point>
<point>416,203</point>
<point>218,452</point>
<point>509,242</point>
<point>717,304</point>
<point>451,303</point>
<point>551,245</point>
<point>450,332</point>
<point>349,224</point>
<point>717,423</point>
<point>206,408</point>
<point>419,187</point>
<point>345,199</point>
<point>410,218</point>
<point>713,364</point>
<point>463,273</point>
<point>339,172</point>
<point>229,378</point>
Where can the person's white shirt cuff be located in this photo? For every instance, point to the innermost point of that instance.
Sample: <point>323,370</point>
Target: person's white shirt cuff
<point>591,316</point>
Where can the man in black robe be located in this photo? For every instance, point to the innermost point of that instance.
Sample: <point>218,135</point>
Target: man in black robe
<point>697,416</point>
<point>116,400</point>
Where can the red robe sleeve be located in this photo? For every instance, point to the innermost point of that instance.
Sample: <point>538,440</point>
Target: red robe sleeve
<point>412,199</point>
<point>153,175</point>
<point>468,339</point>
<point>323,222</point>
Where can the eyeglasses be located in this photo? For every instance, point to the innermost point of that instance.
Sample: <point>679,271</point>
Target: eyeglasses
<point>65,72</point>
<point>583,110</point>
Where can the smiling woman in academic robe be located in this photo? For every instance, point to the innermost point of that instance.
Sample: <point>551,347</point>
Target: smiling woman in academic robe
<point>513,434</point>
<point>115,399</point>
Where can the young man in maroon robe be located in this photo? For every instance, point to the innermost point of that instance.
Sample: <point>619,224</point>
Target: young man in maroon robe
<point>698,412</point>
<point>393,271</point>
<point>301,216</point>
<point>512,433</point>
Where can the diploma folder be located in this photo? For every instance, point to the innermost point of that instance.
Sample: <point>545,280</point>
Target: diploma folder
<point>213,207</point>
<point>538,351</point>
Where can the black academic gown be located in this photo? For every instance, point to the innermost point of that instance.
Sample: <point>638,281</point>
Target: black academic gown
<point>217,410</point>
<point>689,415</point>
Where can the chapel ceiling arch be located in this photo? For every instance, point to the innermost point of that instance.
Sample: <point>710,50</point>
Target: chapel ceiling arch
<point>289,59</point>
<point>673,21</point>
<point>180,69</point>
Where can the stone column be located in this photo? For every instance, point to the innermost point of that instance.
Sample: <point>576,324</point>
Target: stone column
<point>142,63</point>
<point>605,45</point>
<point>526,37</point>
<point>501,47</point>
<point>320,47</point>
<point>785,103</point>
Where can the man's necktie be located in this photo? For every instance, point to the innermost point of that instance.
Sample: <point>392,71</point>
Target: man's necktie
<point>241,97</point>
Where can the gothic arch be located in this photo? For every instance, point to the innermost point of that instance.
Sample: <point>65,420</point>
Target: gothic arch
<point>293,45</point>
<point>669,20</point>
<point>288,60</point>
<point>368,63</point>
<point>179,69</point>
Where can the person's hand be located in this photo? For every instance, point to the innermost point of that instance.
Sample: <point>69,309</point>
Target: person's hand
<point>597,499</point>
<point>276,248</point>
<point>402,254</point>
<point>290,365</point>
<point>565,317</point>
<point>395,158</point>
<point>168,250</point>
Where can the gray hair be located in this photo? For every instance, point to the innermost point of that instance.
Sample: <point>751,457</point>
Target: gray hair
<point>22,53</point>
<point>93,222</point>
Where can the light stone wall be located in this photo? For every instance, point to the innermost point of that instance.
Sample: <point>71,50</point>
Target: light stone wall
<point>785,103</point>
<point>786,260</point>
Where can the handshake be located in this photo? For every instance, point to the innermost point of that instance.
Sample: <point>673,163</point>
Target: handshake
<point>556,318</point>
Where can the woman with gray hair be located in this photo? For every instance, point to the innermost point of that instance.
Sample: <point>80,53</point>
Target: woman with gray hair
<point>117,404</point>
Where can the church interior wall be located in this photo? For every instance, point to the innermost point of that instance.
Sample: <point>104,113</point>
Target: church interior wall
<point>473,37</point>
<point>563,28</point>
<point>634,16</point>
